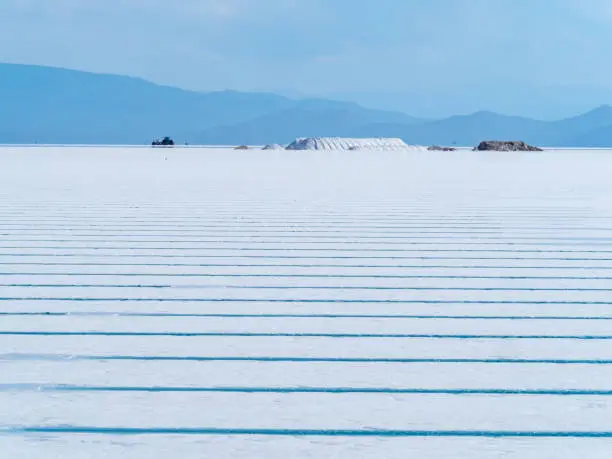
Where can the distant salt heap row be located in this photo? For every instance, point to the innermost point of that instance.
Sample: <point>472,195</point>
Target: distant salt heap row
<point>339,143</point>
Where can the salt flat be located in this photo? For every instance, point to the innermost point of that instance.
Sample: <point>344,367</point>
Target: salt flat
<point>161,303</point>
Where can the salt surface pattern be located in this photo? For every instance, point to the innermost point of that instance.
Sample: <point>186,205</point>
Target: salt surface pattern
<point>304,304</point>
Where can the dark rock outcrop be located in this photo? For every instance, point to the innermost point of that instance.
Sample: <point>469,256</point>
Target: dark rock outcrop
<point>242,147</point>
<point>500,145</point>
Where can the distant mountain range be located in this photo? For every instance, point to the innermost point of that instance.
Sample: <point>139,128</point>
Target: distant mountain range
<point>51,105</point>
<point>592,129</point>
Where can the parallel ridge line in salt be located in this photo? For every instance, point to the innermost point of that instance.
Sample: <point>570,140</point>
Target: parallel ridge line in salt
<point>253,210</point>
<point>376,204</point>
<point>202,224</point>
<point>425,201</point>
<point>311,287</point>
<point>191,358</point>
<point>297,316</point>
<point>280,265</point>
<point>423,237</point>
<point>255,238</point>
<point>504,241</point>
<point>299,276</point>
<point>301,390</point>
<point>348,205</point>
<point>374,219</point>
<point>300,432</point>
<point>290,257</point>
<point>240,227</point>
<point>239,255</point>
<point>330,208</point>
<point>349,202</point>
<point>400,205</point>
<point>371,238</point>
<point>288,212</point>
<point>515,238</point>
<point>430,203</point>
<point>190,213</point>
<point>230,220</point>
<point>177,232</point>
<point>237,226</point>
<point>239,250</point>
<point>311,335</point>
<point>298,300</point>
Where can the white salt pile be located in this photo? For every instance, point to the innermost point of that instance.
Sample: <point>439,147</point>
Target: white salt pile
<point>340,143</point>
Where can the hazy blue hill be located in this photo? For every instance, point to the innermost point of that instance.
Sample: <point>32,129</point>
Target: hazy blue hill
<point>599,137</point>
<point>51,105</point>
<point>308,118</point>
<point>43,104</point>
<point>460,130</point>
<point>591,129</point>
<point>596,118</point>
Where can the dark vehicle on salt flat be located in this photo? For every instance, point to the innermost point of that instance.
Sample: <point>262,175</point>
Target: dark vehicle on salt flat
<point>165,142</point>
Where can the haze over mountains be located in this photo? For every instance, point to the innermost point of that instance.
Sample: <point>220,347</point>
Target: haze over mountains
<point>50,105</point>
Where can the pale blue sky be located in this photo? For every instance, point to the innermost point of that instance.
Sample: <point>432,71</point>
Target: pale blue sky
<point>428,57</point>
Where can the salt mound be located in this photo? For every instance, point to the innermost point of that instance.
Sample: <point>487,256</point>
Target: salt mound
<point>273,146</point>
<point>340,143</point>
